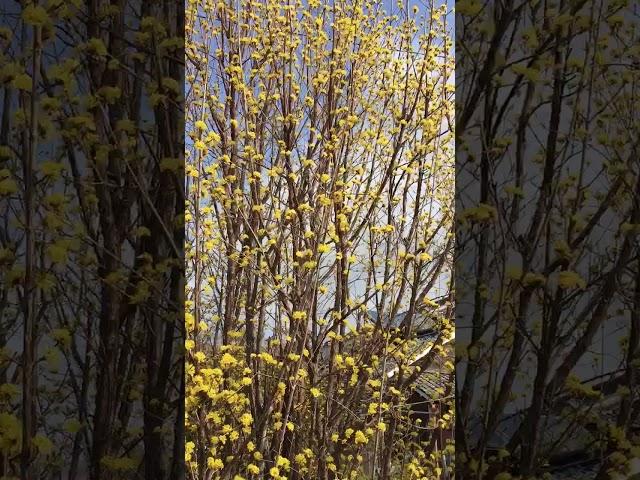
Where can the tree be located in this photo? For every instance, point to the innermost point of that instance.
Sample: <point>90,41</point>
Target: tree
<point>91,289</point>
<point>320,189</point>
<point>547,253</point>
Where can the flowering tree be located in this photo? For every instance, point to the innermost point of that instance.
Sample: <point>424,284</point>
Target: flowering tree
<point>547,283</point>
<point>320,190</point>
<point>91,267</point>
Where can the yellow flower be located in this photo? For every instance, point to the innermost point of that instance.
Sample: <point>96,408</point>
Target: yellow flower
<point>324,247</point>
<point>481,213</point>
<point>361,437</point>
<point>503,476</point>
<point>215,463</point>
<point>8,186</point>
<point>58,252</point>
<point>10,432</point>
<point>5,153</point>
<point>22,81</point>
<point>253,469</point>
<point>299,315</point>
<point>533,279</point>
<point>268,358</point>
<point>143,231</point>
<point>274,472</point>
<point>97,47</point>
<point>43,444</point>
<point>35,15</point>
<point>315,392</point>
<point>425,257</point>
<point>529,73</point>
<point>9,390</point>
<point>73,425</point>
<point>568,279</point>
<point>246,419</point>
<point>227,361</point>
<point>200,357</point>
<point>188,450</point>
<point>109,94</point>
<point>62,336</point>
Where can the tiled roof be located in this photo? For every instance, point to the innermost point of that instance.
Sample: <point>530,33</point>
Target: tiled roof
<point>432,385</point>
<point>572,459</point>
<point>579,471</point>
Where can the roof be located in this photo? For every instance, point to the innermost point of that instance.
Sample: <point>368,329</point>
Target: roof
<point>432,385</point>
<point>588,470</point>
<point>573,457</point>
<point>578,471</point>
<point>433,382</point>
